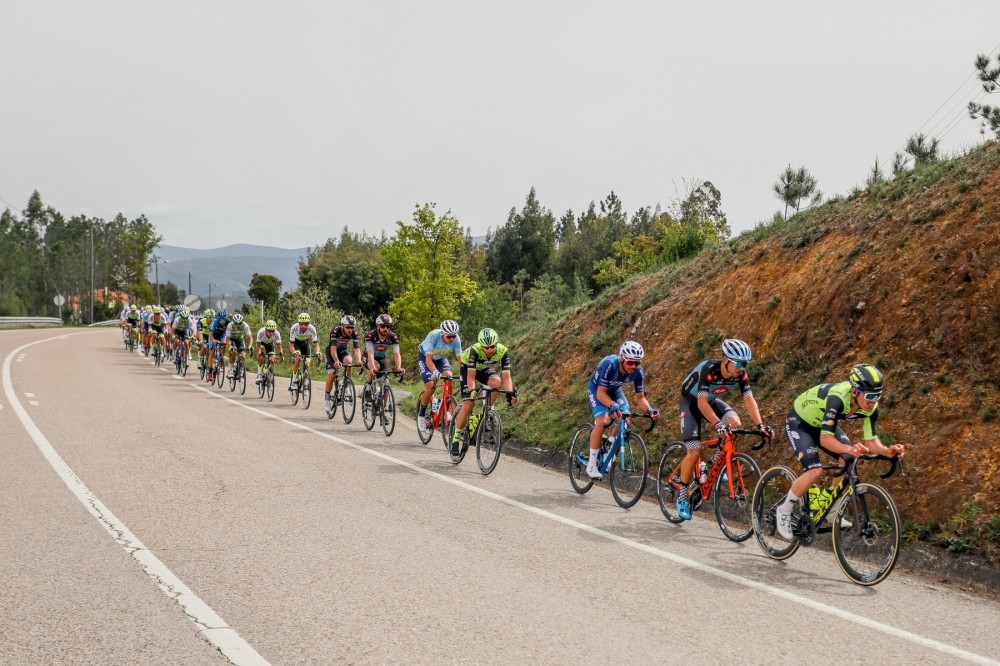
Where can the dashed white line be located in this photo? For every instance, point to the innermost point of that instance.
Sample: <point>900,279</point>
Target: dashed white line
<point>210,626</point>
<point>29,395</point>
<point>33,403</point>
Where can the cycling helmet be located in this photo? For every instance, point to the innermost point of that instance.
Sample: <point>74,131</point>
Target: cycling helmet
<point>157,310</point>
<point>488,337</point>
<point>132,308</point>
<point>222,314</point>
<point>210,312</point>
<point>237,318</point>
<point>303,317</point>
<point>148,308</point>
<point>270,325</point>
<point>347,320</point>
<point>632,350</point>
<point>449,327</point>
<point>383,320</point>
<point>186,311</point>
<point>736,350</point>
<point>866,378</point>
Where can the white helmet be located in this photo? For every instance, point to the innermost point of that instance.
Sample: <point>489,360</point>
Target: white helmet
<point>632,350</point>
<point>449,327</point>
<point>237,318</point>
<point>736,350</point>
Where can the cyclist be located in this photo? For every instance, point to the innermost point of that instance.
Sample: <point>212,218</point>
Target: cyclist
<point>182,328</point>
<point>700,393</point>
<point>268,340</point>
<point>204,329</point>
<point>217,342</point>
<point>298,344</point>
<point>158,325</point>
<point>432,360</point>
<point>147,311</point>
<point>607,399</point>
<point>337,355</point>
<point>377,343</point>
<point>237,335</point>
<point>811,426</point>
<point>131,321</point>
<point>479,364</point>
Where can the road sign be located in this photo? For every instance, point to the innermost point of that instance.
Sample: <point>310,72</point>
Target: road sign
<point>192,301</point>
<point>221,304</point>
<point>59,300</point>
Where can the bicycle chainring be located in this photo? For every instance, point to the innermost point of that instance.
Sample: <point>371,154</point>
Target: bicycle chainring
<point>696,498</point>
<point>806,529</point>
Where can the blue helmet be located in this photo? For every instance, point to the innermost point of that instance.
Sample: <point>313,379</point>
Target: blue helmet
<point>222,314</point>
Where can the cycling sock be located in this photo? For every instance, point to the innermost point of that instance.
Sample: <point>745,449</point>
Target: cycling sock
<point>593,458</point>
<point>786,506</point>
<point>682,493</point>
<point>422,410</point>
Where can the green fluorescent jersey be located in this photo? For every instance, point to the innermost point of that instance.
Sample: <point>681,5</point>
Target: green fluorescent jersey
<point>824,405</point>
<point>475,357</point>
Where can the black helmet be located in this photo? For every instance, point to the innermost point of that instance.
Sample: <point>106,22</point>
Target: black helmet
<point>866,378</point>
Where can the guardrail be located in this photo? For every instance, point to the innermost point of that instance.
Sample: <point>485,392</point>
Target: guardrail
<point>30,322</point>
<point>106,322</point>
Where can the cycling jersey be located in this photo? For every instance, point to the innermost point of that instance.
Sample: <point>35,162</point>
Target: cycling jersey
<point>298,335</point>
<point>435,345</point>
<point>205,326</point>
<point>340,338</point>
<point>475,357</point>
<point>133,318</point>
<point>706,380</point>
<point>608,374</point>
<point>266,339</point>
<point>238,331</point>
<point>158,322</point>
<point>181,322</point>
<point>219,327</point>
<point>822,406</point>
<point>380,345</point>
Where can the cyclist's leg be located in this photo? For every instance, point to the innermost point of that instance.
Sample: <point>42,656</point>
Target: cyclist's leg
<point>331,373</point>
<point>428,394</point>
<point>804,440</point>
<point>467,402</point>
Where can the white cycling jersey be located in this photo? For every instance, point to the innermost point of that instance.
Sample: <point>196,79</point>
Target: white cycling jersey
<point>262,336</point>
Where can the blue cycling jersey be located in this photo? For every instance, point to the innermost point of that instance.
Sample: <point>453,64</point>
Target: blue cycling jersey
<point>608,374</point>
<point>435,344</point>
<point>706,379</point>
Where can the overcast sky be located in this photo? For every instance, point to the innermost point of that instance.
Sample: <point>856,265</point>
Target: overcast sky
<point>278,123</point>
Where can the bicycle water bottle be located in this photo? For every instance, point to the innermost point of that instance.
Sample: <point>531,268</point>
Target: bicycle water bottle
<point>435,405</point>
<point>702,471</point>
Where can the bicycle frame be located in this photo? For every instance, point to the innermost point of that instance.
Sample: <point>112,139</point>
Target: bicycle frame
<point>724,462</point>
<point>849,479</point>
<point>604,462</point>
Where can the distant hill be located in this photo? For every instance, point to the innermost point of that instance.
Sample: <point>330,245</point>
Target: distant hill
<point>227,269</point>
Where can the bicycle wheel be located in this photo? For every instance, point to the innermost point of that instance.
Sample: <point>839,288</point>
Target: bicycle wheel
<point>629,470</point>
<point>734,506</point>
<point>425,435</point>
<point>330,406</point>
<point>368,407</point>
<point>348,400</point>
<point>489,442</point>
<point>220,375</point>
<point>448,421</point>
<point>202,370</point>
<point>262,384</point>
<point>269,381</point>
<point>184,364</point>
<point>388,410</point>
<point>241,376</point>
<point>668,481</point>
<point>232,376</point>
<point>579,456</point>
<point>771,491</point>
<point>293,394</point>
<point>306,387</point>
<point>867,551</point>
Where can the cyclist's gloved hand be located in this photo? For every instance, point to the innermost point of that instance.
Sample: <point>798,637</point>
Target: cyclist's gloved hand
<point>614,409</point>
<point>721,428</point>
<point>655,413</point>
<point>765,430</point>
<point>435,375</point>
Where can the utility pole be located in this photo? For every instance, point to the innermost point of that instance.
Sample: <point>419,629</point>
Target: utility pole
<point>91,270</point>
<point>189,283</point>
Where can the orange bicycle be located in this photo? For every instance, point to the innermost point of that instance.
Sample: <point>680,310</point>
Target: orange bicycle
<point>441,413</point>
<point>738,471</point>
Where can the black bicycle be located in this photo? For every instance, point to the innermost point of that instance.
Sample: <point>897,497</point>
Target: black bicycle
<point>378,402</point>
<point>344,396</point>
<point>239,376</point>
<point>485,428</point>
<point>866,523</point>
<point>181,359</point>
<point>303,385</point>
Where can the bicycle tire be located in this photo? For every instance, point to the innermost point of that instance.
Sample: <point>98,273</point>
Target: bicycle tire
<point>867,551</point>
<point>425,436</point>
<point>668,481</point>
<point>368,407</point>
<point>489,442</point>
<point>293,395</point>
<point>629,470</point>
<point>448,418</point>
<point>577,467</point>
<point>388,410</point>
<point>262,384</point>
<point>220,374</point>
<point>305,386</point>
<point>269,389</point>
<point>771,490</point>
<point>232,377</point>
<point>241,376</point>
<point>348,400</point>
<point>184,364</point>
<point>202,369</point>
<point>734,508</point>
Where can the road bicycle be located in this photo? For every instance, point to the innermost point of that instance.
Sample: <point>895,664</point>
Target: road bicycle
<point>181,359</point>
<point>303,385</point>
<point>219,366</point>
<point>239,376</point>
<point>344,396</point>
<point>731,478</point>
<point>866,523</point>
<point>266,383</point>
<point>442,411</point>
<point>624,457</point>
<point>157,352</point>
<point>485,428</point>
<point>202,360</point>
<point>379,402</point>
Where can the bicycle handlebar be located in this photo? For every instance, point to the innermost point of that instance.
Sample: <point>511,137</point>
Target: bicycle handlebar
<point>894,463</point>
<point>652,423</point>
<point>764,441</point>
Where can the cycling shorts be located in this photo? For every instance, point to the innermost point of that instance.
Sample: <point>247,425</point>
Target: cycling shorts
<point>343,354</point>
<point>598,409</point>
<point>425,372</point>
<point>304,347</point>
<point>382,363</point>
<point>181,334</point>
<point>804,440</point>
<point>692,418</point>
<point>482,377</point>
<point>239,343</point>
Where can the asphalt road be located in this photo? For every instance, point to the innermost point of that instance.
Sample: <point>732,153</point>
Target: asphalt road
<point>150,519</point>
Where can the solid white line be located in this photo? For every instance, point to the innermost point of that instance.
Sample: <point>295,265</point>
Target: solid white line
<point>657,552</point>
<point>210,626</point>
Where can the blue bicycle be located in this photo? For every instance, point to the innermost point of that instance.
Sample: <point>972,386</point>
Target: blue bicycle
<point>624,457</point>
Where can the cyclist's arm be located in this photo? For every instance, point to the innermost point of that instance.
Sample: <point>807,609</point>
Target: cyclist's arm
<point>357,353</point>
<point>704,406</point>
<point>641,402</point>
<point>429,360</point>
<point>508,381</point>
<point>397,358</point>
<point>828,428</point>
<point>752,409</point>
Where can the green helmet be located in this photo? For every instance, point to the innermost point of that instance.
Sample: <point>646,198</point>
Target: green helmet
<point>488,337</point>
<point>270,325</point>
<point>210,312</point>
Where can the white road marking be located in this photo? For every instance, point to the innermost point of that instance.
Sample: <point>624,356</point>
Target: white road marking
<point>657,552</point>
<point>210,626</point>
<point>29,395</point>
<point>33,403</point>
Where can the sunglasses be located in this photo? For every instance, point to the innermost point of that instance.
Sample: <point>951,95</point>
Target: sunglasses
<point>447,337</point>
<point>738,364</point>
<point>382,326</point>
<point>489,346</point>
<point>631,364</point>
<point>872,397</point>
<point>348,328</point>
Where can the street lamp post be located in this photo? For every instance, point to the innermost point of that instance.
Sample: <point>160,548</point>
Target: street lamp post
<point>157,260</point>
